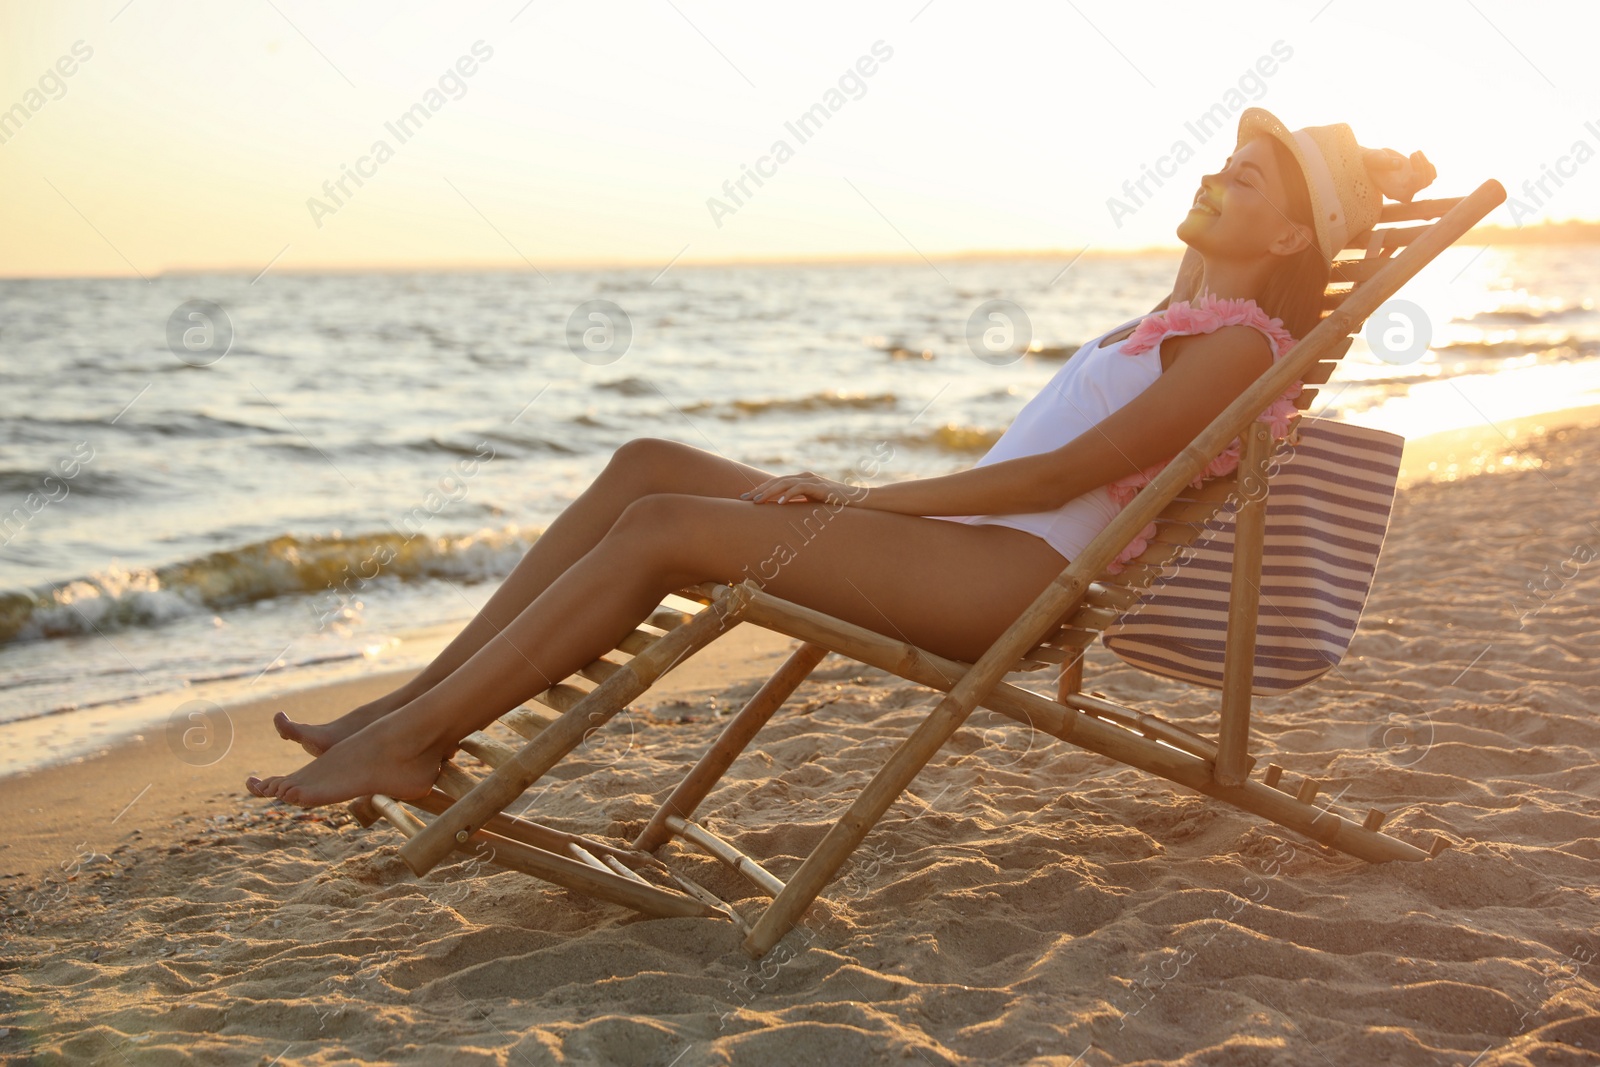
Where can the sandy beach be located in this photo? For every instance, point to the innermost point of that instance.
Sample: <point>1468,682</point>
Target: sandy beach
<point>1030,903</point>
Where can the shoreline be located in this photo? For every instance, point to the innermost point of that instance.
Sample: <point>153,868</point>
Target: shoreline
<point>1443,457</point>
<point>145,779</point>
<point>1451,455</point>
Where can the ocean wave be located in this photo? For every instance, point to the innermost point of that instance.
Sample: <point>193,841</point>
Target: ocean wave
<point>332,570</point>
<point>29,429</point>
<point>827,400</point>
<point>947,438</point>
<point>953,438</point>
<point>896,350</point>
<point>1528,316</point>
<point>629,387</point>
<point>1564,349</point>
<point>17,484</point>
<point>197,424</point>
<point>526,442</point>
<point>529,443</point>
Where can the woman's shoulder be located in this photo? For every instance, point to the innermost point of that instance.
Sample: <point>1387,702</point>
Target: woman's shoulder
<point>1226,343</point>
<point>1208,314</point>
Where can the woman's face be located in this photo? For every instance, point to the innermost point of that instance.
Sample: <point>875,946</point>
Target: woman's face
<point>1241,211</point>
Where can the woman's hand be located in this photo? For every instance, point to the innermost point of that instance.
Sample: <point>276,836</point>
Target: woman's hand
<point>1396,176</point>
<point>789,488</point>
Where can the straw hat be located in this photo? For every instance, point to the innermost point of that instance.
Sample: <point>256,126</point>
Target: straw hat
<point>1347,182</point>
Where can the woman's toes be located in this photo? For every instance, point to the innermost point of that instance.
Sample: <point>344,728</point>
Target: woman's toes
<point>263,787</point>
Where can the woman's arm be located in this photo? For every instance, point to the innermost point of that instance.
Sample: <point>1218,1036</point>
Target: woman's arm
<point>1155,425</point>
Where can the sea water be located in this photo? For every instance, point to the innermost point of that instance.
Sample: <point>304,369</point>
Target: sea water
<point>373,452</point>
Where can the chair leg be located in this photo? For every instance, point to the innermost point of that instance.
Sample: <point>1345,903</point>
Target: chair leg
<point>1233,761</point>
<point>735,736</point>
<point>885,787</point>
<point>1071,681</point>
<point>552,744</point>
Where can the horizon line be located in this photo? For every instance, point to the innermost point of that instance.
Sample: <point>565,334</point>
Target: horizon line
<point>525,267</point>
<point>1488,234</point>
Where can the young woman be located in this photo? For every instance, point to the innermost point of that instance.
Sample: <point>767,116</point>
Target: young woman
<point>1260,234</point>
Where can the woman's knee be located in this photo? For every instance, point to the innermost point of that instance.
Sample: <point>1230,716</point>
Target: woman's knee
<point>656,465</point>
<point>663,533</point>
<point>644,450</point>
<point>655,516</point>
<point>649,464</point>
<point>636,460</point>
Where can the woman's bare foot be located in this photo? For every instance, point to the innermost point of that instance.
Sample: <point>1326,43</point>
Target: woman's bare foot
<point>317,739</point>
<point>378,759</point>
<point>314,739</point>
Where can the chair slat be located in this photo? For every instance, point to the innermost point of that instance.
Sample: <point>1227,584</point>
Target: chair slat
<point>1152,726</point>
<point>487,749</point>
<point>1135,574</point>
<point>1334,297</point>
<point>539,836</point>
<point>1320,372</point>
<point>640,640</point>
<point>561,696</point>
<point>1073,638</point>
<point>455,781</point>
<point>583,855</point>
<point>1390,239</point>
<point>1094,618</point>
<point>727,853</point>
<point>1356,270</point>
<point>1102,595</point>
<point>1157,555</point>
<point>1417,209</point>
<point>398,816</point>
<point>599,670</point>
<point>530,721</point>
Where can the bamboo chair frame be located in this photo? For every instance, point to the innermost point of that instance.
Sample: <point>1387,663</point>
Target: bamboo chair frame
<point>1065,618</point>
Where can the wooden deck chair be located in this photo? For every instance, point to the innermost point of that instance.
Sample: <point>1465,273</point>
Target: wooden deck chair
<point>1140,609</point>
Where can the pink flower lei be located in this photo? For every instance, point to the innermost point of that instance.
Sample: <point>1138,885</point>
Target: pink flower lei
<point>1203,315</point>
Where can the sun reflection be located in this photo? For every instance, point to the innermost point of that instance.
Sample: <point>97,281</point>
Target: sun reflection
<point>1508,341</point>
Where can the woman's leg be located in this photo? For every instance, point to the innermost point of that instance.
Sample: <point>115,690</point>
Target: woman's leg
<point>638,468</point>
<point>951,588</point>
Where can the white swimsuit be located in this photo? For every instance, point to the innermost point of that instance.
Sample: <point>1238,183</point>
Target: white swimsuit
<point>1097,381</point>
<point>1094,382</point>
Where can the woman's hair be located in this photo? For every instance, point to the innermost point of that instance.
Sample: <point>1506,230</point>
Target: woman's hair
<point>1294,290</point>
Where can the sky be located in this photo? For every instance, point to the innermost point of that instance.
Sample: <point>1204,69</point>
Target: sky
<point>145,137</point>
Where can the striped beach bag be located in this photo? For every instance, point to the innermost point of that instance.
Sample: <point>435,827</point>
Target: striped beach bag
<point>1331,486</point>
